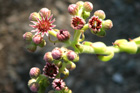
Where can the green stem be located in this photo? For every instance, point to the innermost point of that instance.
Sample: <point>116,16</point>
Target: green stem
<point>53,33</point>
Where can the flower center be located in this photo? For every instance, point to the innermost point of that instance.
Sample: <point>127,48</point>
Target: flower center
<point>44,26</point>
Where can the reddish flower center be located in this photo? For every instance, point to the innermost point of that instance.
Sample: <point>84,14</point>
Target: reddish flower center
<point>43,26</point>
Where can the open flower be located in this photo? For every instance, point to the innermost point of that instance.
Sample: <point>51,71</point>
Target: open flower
<point>43,24</point>
<point>50,70</point>
<point>95,23</point>
<point>77,23</point>
<point>58,84</point>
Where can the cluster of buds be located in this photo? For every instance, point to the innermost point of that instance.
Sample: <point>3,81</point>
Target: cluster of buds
<point>34,41</point>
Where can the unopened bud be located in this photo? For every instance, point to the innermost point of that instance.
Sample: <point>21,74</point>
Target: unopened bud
<point>34,16</point>
<point>100,14</point>
<point>73,9</point>
<point>80,4</point>
<point>37,39</point>
<point>88,6</point>
<point>45,12</point>
<point>34,72</point>
<point>107,24</point>
<point>31,48</point>
<point>33,85</point>
<point>71,55</point>
<point>43,43</point>
<point>27,36</point>
<point>70,65</point>
<point>57,53</point>
<point>63,35</point>
<point>48,57</point>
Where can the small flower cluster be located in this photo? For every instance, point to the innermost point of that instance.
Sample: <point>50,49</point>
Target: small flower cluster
<point>61,60</point>
<point>58,61</point>
<point>81,10</point>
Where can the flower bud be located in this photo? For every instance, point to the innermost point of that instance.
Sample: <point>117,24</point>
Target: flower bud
<point>45,12</point>
<point>80,4</point>
<point>37,39</point>
<point>48,57</point>
<point>43,43</point>
<point>107,24</point>
<point>71,55</point>
<point>33,16</point>
<point>31,48</point>
<point>137,40</point>
<point>33,85</point>
<point>57,53</point>
<point>100,14</point>
<point>88,6</point>
<point>99,47</point>
<point>73,9</point>
<point>27,36</point>
<point>34,72</point>
<point>63,35</point>
<point>70,65</point>
<point>119,41</point>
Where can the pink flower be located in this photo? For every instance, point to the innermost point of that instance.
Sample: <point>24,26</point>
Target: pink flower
<point>77,23</point>
<point>50,70</point>
<point>43,25</point>
<point>58,84</point>
<point>95,23</point>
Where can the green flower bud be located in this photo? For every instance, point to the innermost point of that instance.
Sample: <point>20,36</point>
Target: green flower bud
<point>33,16</point>
<point>80,4</point>
<point>129,47</point>
<point>100,14</point>
<point>70,65</point>
<point>31,47</point>
<point>86,14</point>
<point>107,24</point>
<point>43,43</point>
<point>67,90</point>
<point>99,47</point>
<point>85,49</point>
<point>27,36</point>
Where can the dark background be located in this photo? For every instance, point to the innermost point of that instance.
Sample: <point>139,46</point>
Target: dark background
<point>120,75</point>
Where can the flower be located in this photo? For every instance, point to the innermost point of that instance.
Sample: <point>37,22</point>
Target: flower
<point>34,72</point>
<point>43,24</point>
<point>95,23</point>
<point>50,70</point>
<point>63,35</point>
<point>71,55</point>
<point>58,84</point>
<point>77,23</point>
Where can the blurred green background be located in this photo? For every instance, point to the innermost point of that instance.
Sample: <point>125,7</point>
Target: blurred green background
<point>120,75</point>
